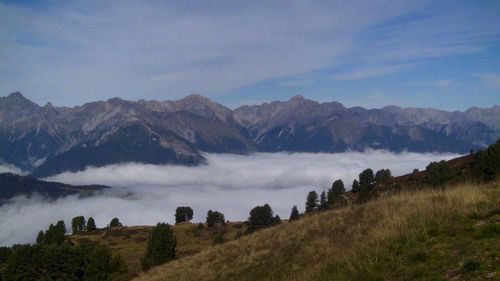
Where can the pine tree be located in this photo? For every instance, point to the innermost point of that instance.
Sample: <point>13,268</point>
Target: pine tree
<point>323,204</point>
<point>183,214</point>
<point>294,215</point>
<point>214,217</point>
<point>115,222</point>
<point>40,238</point>
<point>91,225</point>
<point>383,175</point>
<point>355,186</point>
<point>367,179</point>
<point>261,217</point>
<point>78,224</point>
<point>161,246</point>
<point>335,193</point>
<point>311,202</point>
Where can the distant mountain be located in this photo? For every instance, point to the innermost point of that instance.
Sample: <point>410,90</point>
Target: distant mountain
<point>12,185</point>
<point>304,125</point>
<point>48,140</point>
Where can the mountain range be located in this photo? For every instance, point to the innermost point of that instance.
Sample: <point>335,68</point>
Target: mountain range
<point>46,140</point>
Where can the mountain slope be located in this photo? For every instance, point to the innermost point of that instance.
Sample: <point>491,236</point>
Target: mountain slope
<point>14,185</point>
<point>424,235</point>
<point>48,140</point>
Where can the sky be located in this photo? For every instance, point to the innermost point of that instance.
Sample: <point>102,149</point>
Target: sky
<point>442,54</point>
<point>232,184</point>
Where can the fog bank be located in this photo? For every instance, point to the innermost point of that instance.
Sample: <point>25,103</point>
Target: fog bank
<point>232,184</point>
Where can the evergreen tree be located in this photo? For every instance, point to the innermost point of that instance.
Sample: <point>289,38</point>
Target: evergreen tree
<point>89,261</point>
<point>261,217</point>
<point>294,215</point>
<point>40,238</point>
<point>161,246</point>
<point>335,193</point>
<point>367,179</point>
<point>115,222</point>
<point>383,175</point>
<point>355,186</point>
<point>277,219</point>
<point>311,202</point>
<point>486,164</point>
<point>55,234</point>
<point>91,225</point>
<point>214,218</point>
<point>5,253</point>
<point>183,214</point>
<point>439,173</point>
<point>78,224</point>
<point>323,204</point>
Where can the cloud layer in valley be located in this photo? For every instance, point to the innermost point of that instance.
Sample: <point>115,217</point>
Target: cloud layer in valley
<point>145,194</point>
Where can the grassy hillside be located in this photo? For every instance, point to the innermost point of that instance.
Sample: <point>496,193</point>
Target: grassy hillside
<point>130,242</point>
<point>451,234</point>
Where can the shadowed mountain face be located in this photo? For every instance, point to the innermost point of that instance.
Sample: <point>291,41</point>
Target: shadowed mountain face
<point>14,185</point>
<point>48,140</point>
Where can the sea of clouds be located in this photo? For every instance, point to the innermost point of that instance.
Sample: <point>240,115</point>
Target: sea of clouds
<point>233,184</point>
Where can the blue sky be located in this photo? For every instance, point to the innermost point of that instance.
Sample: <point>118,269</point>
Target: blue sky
<point>442,54</point>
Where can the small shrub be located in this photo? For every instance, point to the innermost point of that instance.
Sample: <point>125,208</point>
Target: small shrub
<point>470,266</point>
<point>218,239</point>
<point>418,257</point>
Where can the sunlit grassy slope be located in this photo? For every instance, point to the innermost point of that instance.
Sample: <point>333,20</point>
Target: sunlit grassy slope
<point>130,242</point>
<point>451,234</point>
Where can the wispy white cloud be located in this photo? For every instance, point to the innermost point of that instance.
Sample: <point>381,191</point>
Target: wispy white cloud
<point>233,184</point>
<point>370,71</point>
<point>74,51</point>
<point>446,83</point>
<point>492,80</point>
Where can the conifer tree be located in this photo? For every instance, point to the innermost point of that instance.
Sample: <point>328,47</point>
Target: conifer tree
<point>115,222</point>
<point>311,202</point>
<point>40,238</point>
<point>161,246</point>
<point>294,215</point>
<point>78,224</point>
<point>183,214</point>
<point>335,193</point>
<point>323,204</point>
<point>91,225</point>
<point>355,186</point>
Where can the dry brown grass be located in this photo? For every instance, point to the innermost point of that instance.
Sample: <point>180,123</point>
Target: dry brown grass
<point>130,242</point>
<point>299,250</point>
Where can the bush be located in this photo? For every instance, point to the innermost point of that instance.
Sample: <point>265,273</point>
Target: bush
<point>161,246</point>
<point>218,239</point>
